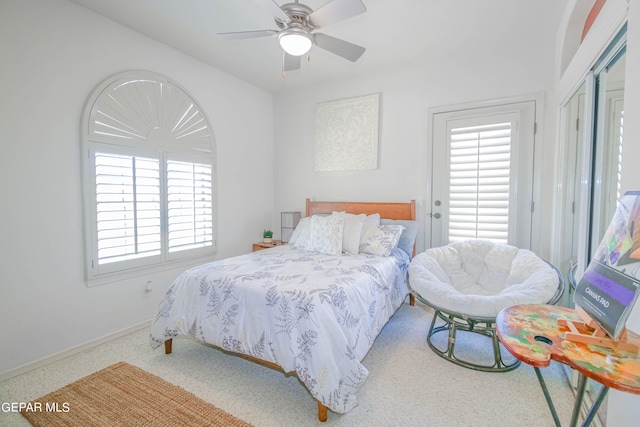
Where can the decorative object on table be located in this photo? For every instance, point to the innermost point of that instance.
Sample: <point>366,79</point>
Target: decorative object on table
<point>609,287</point>
<point>267,236</point>
<point>288,222</point>
<point>347,134</point>
<point>469,282</point>
<point>536,335</point>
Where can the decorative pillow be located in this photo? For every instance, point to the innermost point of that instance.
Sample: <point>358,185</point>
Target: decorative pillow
<point>380,239</point>
<point>408,237</point>
<point>325,234</point>
<point>300,235</point>
<point>351,232</point>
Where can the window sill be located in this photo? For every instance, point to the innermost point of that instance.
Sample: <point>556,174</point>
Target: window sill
<point>145,271</point>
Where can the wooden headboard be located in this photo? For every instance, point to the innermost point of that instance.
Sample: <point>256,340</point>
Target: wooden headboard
<point>389,210</point>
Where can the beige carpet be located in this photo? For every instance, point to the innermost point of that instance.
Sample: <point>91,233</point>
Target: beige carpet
<point>125,395</point>
<point>408,384</point>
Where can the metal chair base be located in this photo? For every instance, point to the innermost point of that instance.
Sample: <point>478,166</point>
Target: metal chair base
<point>454,322</point>
<point>485,326</point>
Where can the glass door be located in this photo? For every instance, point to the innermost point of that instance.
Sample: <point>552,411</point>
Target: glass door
<point>572,122</point>
<point>593,137</point>
<point>609,131</point>
<point>482,174</point>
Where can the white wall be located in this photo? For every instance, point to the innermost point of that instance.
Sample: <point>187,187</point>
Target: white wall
<point>53,54</point>
<point>406,96</point>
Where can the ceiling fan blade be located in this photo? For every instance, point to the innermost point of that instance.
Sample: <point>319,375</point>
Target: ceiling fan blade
<point>272,7</point>
<point>290,62</point>
<point>248,34</point>
<point>335,11</point>
<point>342,48</point>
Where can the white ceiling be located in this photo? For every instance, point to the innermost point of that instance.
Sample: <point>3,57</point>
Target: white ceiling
<point>396,33</point>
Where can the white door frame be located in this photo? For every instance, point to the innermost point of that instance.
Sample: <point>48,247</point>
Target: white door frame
<point>538,100</point>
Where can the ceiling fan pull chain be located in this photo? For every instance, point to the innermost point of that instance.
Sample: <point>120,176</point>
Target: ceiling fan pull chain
<point>284,65</point>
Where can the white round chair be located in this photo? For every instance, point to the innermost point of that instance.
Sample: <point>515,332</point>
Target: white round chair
<point>468,283</point>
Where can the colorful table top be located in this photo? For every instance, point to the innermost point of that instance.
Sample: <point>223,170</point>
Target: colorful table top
<point>531,333</point>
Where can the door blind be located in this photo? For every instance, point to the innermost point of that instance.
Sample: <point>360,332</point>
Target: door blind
<point>480,159</point>
<point>128,207</point>
<point>190,205</point>
<point>619,153</point>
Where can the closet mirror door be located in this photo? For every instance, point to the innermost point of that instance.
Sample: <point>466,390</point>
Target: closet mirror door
<point>593,141</point>
<point>572,122</point>
<point>609,133</point>
<point>607,163</point>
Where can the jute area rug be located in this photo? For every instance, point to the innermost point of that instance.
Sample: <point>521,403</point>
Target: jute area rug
<point>125,395</point>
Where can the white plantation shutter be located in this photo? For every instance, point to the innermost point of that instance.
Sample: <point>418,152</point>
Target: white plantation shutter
<point>620,146</point>
<point>190,209</point>
<point>148,176</point>
<point>617,142</point>
<point>479,174</point>
<point>608,170</point>
<point>127,207</point>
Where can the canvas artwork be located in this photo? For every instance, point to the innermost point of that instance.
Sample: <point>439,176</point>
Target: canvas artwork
<point>609,287</point>
<point>346,133</point>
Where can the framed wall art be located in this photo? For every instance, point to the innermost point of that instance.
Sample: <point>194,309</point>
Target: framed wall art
<point>346,134</point>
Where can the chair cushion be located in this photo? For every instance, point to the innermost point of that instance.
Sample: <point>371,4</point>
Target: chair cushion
<point>480,278</point>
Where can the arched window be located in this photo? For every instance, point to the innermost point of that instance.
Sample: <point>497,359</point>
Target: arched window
<point>148,175</point>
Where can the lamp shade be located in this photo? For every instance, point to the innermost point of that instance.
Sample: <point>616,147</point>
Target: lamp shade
<point>288,222</point>
<point>295,41</point>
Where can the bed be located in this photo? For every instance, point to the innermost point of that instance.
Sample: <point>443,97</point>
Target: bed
<point>303,307</point>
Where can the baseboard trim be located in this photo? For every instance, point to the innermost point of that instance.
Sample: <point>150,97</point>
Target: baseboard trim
<point>71,351</point>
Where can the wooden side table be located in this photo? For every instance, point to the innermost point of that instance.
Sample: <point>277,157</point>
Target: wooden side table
<point>533,335</point>
<point>261,245</point>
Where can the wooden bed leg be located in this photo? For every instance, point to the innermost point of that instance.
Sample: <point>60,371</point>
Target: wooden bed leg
<point>167,346</point>
<point>412,300</point>
<point>322,412</point>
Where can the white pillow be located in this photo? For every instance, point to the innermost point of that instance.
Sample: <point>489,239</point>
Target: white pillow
<point>373,219</point>
<point>300,235</point>
<point>351,232</point>
<point>325,234</point>
<point>380,239</point>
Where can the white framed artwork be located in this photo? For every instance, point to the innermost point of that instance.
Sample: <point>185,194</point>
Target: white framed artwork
<point>347,134</point>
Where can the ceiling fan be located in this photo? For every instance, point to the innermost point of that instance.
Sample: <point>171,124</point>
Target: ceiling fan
<point>298,24</point>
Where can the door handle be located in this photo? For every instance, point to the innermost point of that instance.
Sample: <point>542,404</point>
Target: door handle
<point>435,215</point>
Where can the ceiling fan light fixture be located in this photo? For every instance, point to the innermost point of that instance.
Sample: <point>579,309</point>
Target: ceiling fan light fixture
<point>294,41</point>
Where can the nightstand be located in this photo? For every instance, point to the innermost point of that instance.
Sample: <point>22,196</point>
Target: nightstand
<point>261,245</point>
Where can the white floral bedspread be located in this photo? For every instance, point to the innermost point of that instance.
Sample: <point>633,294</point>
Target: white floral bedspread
<point>314,314</point>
